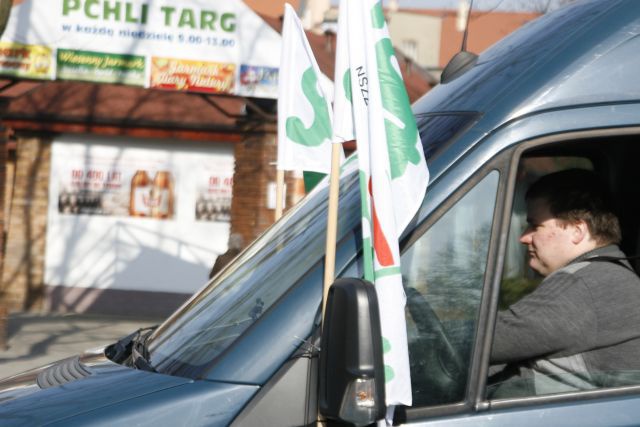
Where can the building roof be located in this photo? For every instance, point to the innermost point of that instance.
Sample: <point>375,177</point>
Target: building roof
<point>484,30</point>
<point>417,81</point>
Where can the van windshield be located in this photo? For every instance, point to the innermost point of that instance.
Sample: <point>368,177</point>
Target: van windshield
<point>192,338</point>
<point>288,256</point>
<point>438,130</point>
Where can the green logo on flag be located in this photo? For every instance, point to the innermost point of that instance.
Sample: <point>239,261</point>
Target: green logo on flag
<point>389,373</point>
<point>377,16</point>
<point>402,133</point>
<point>386,345</point>
<point>346,84</point>
<point>320,129</point>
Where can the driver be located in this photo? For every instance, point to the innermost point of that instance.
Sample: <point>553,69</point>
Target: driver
<point>580,328</point>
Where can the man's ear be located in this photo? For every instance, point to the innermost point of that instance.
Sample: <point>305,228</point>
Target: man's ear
<point>579,232</point>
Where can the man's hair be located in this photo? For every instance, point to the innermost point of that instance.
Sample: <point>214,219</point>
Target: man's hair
<point>579,194</point>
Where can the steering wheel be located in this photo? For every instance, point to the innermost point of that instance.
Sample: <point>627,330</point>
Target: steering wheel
<point>436,367</point>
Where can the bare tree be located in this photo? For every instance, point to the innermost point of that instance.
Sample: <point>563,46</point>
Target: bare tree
<point>5,10</point>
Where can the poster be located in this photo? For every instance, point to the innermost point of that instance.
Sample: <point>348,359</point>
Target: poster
<point>197,76</point>
<point>128,214</point>
<point>214,191</point>
<point>104,189</point>
<point>210,46</point>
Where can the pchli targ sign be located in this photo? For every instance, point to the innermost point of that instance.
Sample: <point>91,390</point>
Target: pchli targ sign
<point>208,46</point>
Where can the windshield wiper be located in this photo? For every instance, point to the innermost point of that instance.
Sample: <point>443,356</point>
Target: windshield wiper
<point>140,353</point>
<point>121,350</point>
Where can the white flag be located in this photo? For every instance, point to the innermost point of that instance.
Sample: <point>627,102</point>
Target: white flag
<point>342,106</point>
<point>393,175</point>
<point>304,111</point>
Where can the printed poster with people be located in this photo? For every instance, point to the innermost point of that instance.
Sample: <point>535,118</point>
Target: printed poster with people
<point>105,184</point>
<point>213,200</point>
<point>121,191</point>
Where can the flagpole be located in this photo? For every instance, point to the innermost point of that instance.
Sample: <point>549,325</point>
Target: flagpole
<point>332,222</point>
<point>279,191</point>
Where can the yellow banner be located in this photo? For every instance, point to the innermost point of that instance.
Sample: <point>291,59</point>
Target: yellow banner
<point>27,61</point>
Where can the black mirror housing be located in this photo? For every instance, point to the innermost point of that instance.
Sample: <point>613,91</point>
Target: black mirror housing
<point>351,364</point>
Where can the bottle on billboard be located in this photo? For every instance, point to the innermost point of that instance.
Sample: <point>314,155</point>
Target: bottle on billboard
<point>162,195</point>
<point>139,198</point>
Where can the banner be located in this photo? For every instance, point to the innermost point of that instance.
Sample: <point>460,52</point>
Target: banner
<point>304,110</point>
<point>25,61</point>
<point>210,46</point>
<point>393,172</point>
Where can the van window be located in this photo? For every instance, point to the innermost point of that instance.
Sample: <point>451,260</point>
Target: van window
<point>517,278</point>
<point>443,273</point>
<point>573,359</point>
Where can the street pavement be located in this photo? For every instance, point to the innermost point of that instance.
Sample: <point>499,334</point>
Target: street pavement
<point>36,339</point>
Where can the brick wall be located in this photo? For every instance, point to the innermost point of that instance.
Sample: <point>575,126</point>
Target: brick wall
<point>5,171</point>
<point>22,280</point>
<point>255,168</point>
<point>22,276</point>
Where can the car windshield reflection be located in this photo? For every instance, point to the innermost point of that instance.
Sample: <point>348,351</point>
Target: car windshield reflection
<point>215,317</point>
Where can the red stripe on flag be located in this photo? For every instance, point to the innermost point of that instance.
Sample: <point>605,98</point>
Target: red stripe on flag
<point>380,244</point>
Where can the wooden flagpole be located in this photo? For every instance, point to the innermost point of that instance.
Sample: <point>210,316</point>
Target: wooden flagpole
<point>332,222</point>
<point>332,231</point>
<point>279,192</point>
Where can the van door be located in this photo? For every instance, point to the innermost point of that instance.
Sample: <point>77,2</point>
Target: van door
<point>465,262</point>
<point>445,263</point>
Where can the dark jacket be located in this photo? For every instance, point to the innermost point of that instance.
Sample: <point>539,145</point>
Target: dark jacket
<point>580,326</point>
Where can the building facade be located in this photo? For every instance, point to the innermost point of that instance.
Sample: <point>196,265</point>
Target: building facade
<point>120,198</point>
<point>431,37</point>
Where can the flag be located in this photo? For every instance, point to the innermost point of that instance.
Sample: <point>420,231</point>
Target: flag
<point>342,106</point>
<point>304,111</point>
<point>393,171</point>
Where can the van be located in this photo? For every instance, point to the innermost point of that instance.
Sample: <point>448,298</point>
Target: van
<point>249,349</point>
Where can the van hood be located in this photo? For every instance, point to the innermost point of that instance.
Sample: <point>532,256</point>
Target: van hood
<point>74,386</point>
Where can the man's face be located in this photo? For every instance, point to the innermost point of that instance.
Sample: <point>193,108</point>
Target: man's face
<point>548,240</point>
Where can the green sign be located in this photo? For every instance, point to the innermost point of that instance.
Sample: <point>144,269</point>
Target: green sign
<point>101,67</point>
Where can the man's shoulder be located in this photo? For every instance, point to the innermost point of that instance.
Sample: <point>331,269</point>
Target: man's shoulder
<point>606,274</point>
<point>577,277</point>
<point>604,259</point>
<point>570,272</point>
<point>572,268</point>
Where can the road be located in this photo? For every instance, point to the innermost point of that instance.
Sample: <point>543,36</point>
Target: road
<point>35,340</point>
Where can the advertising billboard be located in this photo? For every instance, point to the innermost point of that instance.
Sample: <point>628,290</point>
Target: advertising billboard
<point>209,46</point>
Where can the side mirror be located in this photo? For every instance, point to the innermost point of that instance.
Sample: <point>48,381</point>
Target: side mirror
<point>351,365</point>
